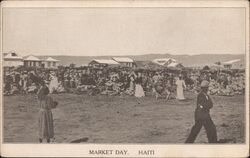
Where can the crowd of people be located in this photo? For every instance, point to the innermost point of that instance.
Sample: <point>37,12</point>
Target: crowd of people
<point>139,83</point>
<point>109,81</point>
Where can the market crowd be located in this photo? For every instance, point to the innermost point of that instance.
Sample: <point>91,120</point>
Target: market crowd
<point>161,83</point>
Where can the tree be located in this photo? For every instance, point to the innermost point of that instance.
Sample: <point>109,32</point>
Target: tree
<point>218,63</point>
<point>72,65</point>
<point>206,68</point>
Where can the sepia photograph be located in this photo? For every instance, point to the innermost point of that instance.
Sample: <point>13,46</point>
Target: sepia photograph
<point>127,74</point>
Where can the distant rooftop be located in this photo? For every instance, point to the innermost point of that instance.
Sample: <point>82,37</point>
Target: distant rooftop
<point>163,61</point>
<point>123,59</point>
<point>106,61</point>
<point>231,61</point>
<point>173,64</point>
<point>51,59</point>
<point>12,55</point>
<point>32,58</point>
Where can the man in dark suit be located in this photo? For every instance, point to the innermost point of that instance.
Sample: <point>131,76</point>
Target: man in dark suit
<point>202,116</point>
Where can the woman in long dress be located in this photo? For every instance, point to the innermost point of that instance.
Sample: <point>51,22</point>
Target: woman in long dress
<point>139,92</point>
<point>53,85</point>
<point>180,86</point>
<point>46,103</point>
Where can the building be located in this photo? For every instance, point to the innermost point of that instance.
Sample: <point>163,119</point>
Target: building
<point>216,66</point>
<point>126,62</point>
<point>103,63</point>
<point>50,63</point>
<point>234,64</point>
<point>148,65</point>
<point>175,65</point>
<point>164,61</point>
<point>32,61</point>
<point>12,59</point>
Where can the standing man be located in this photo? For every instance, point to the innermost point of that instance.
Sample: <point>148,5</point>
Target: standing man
<point>202,116</point>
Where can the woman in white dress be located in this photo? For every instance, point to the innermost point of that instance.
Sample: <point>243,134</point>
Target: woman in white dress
<point>139,92</point>
<point>53,85</point>
<point>180,86</point>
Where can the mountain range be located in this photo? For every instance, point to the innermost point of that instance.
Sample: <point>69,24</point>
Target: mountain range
<point>186,60</point>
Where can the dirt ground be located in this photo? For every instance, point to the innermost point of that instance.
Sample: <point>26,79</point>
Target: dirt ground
<point>121,119</point>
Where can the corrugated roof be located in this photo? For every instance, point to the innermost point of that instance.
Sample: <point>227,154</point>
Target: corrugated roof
<point>163,61</point>
<point>32,58</point>
<point>231,61</point>
<point>123,59</point>
<point>173,64</point>
<point>106,61</point>
<point>51,59</point>
<point>147,65</point>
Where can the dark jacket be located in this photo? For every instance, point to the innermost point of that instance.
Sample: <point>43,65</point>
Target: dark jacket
<point>205,101</point>
<point>204,104</point>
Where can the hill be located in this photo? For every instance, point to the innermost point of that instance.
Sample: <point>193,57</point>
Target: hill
<point>186,60</point>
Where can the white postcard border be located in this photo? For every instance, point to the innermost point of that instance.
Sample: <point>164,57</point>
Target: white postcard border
<point>168,150</point>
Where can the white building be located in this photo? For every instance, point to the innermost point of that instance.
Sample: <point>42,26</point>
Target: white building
<point>164,61</point>
<point>124,61</point>
<point>32,61</point>
<point>50,63</point>
<point>234,64</point>
<point>12,59</point>
<point>103,63</point>
<point>175,65</point>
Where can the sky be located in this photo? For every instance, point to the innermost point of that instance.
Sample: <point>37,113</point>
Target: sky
<point>123,31</point>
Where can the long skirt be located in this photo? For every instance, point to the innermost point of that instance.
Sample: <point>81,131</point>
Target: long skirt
<point>46,126</point>
<point>66,84</point>
<point>53,85</point>
<point>180,94</point>
<point>139,92</point>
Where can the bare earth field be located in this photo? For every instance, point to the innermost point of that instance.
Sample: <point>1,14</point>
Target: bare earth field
<point>121,119</point>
